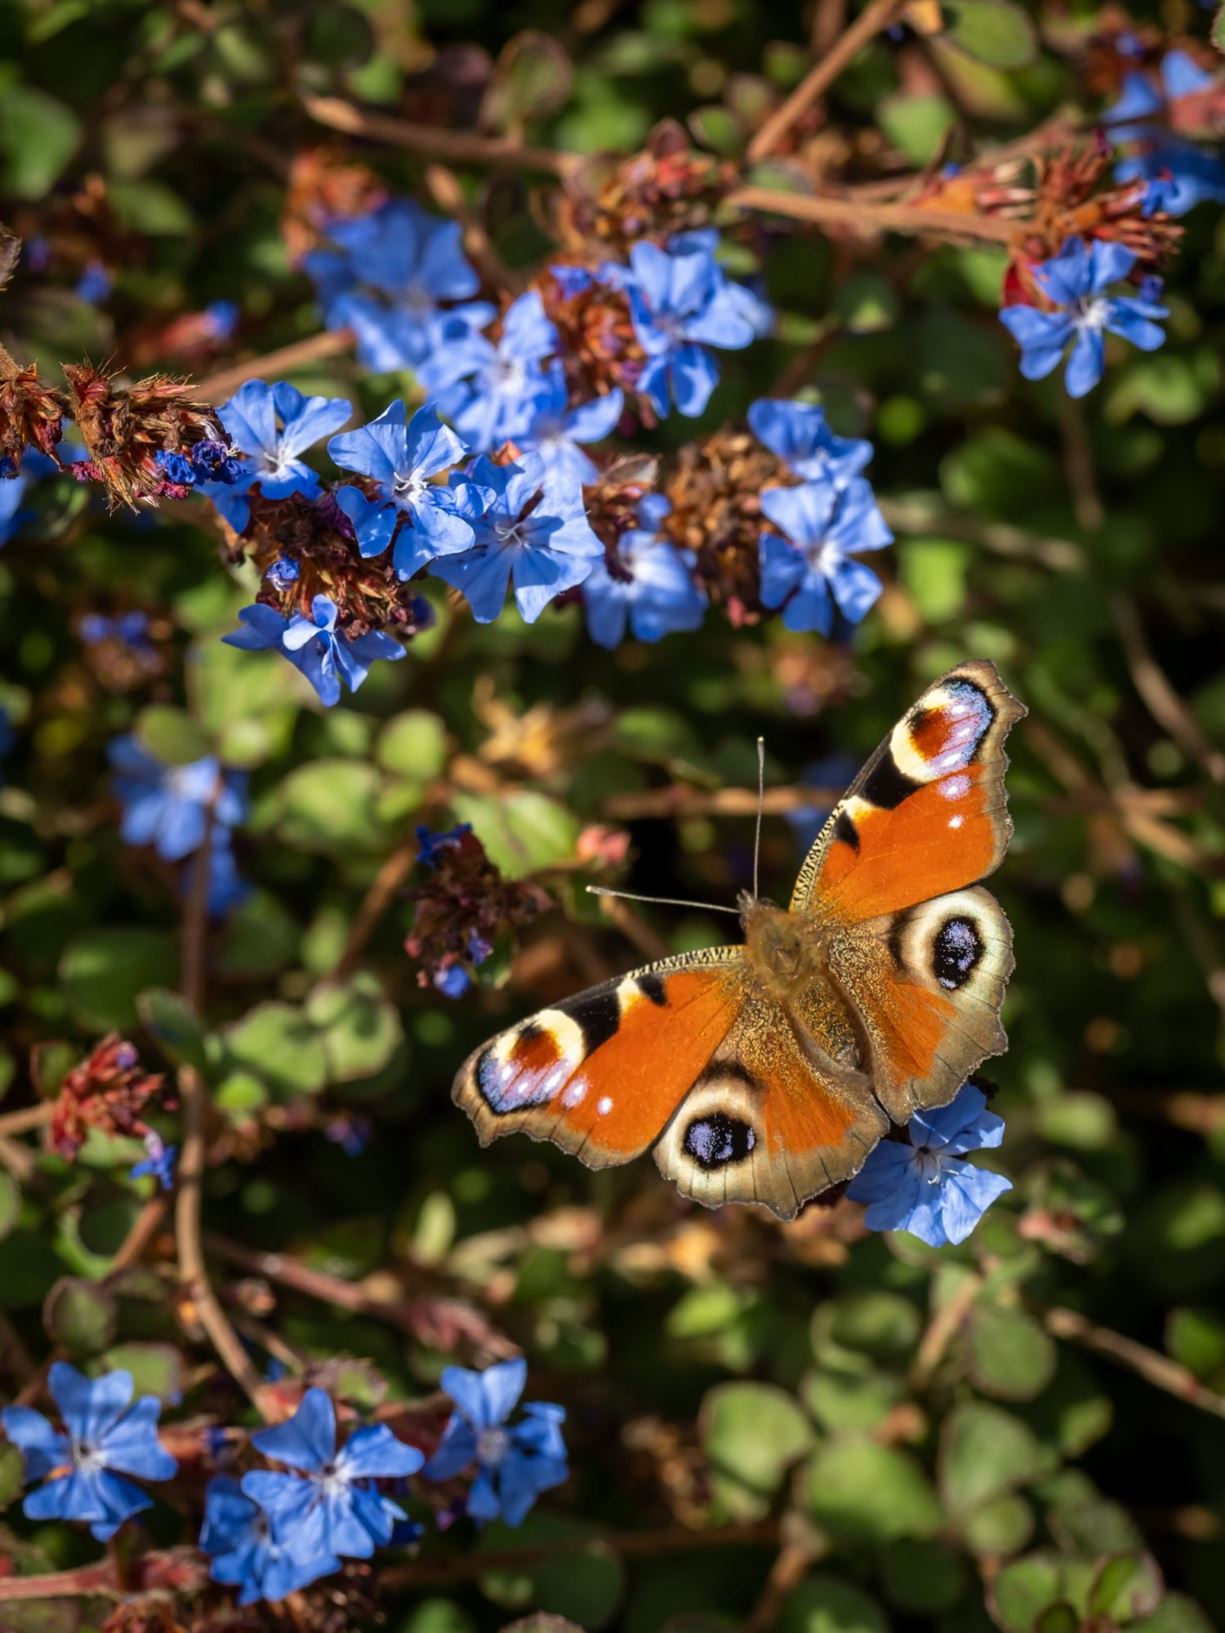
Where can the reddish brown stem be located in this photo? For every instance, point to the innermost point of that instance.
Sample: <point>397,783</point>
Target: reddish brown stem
<point>328,343</point>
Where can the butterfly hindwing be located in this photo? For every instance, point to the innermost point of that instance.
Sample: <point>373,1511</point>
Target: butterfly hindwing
<point>601,1073</point>
<point>927,814</point>
<point>766,1121</point>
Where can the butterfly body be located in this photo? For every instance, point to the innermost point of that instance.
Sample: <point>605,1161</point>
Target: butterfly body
<point>766,1072</point>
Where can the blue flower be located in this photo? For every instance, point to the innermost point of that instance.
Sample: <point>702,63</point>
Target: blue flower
<point>453,981</point>
<point>130,629</point>
<point>314,645</point>
<point>492,390</point>
<point>1075,282</point>
<point>681,303</point>
<point>539,534</point>
<point>386,279</point>
<point>800,435</point>
<point>237,1538</point>
<point>94,284</point>
<point>158,1162</point>
<point>167,806</point>
<point>402,456</point>
<point>430,845</point>
<point>650,587</point>
<point>12,491</point>
<point>204,462</point>
<point>809,573</point>
<point>557,429</point>
<point>1183,174</point>
<point>331,1510</point>
<point>514,1463</point>
<point>283,573</point>
<point>271,426</point>
<point>922,1187</point>
<point>222,319</point>
<point>107,1438</point>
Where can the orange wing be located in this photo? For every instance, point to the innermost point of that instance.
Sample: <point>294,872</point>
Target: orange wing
<point>927,814</point>
<point>601,1074</point>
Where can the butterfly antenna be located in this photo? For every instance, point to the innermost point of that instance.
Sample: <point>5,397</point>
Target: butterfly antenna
<point>661,901</point>
<point>761,800</point>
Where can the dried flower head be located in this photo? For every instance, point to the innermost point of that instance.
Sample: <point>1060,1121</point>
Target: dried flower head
<point>596,340</point>
<point>715,494</point>
<point>669,187</point>
<point>108,1090</point>
<point>463,909</point>
<point>30,414</point>
<point>125,429</point>
<point>325,185</point>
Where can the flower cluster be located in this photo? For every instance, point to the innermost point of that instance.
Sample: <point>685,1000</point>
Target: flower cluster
<point>462,909</point>
<point>921,1185</point>
<point>109,1090</point>
<point>274,1531</point>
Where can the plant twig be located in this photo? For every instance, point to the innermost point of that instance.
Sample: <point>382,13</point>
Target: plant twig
<point>451,146</point>
<point>942,1329</point>
<point>876,16</point>
<point>384,887</point>
<point>1160,698</point>
<point>679,800</point>
<point>1155,1368</point>
<point>924,513</point>
<point>914,219</point>
<point>85,1582</point>
<point>327,343</point>
<point>29,1117</point>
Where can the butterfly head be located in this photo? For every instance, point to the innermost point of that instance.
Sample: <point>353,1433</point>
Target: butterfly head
<point>782,948</point>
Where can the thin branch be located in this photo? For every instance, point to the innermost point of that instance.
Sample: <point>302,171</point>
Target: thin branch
<point>327,343</point>
<point>432,142</point>
<point>1155,1368</point>
<point>876,16</point>
<point>678,800</point>
<point>671,1539</point>
<point>29,1117</point>
<point>1182,1108</point>
<point>85,1582</point>
<point>1160,698</point>
<point>384,887</point>
<point>923,513</point>
<point>1078,465</point>
<point>942,1329</point>
<point>913,219</point>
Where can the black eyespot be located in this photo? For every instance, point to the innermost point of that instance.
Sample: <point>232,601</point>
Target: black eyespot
<point>956,951</point>
<point>717,1140</point>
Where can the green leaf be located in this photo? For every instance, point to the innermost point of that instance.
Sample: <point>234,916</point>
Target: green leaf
<point>277,1043</point>
<point>1060,1618</point>
<point>522,832</point>
<point>413,745</point>
<point>1196,1337</point>
<point>994,31</point>
<point>1002,1526</point>
<point>916,122</point>
<point>157,1369</point>
<point>583,1584</point>
<point>1175,1614</point>
<point>261,938</point>
<point>924,1577</point>
<point>171,735</point>
<point>861,1492</point>
<point>531,80</point>
<point>359,1029</point>
<point>866,303</point>
<point>985,1452</point>
<point>330,805</point>
<point>103,972</point>
<point>12,1473</point>
<point>1024,1589</point>
<point>38,136</point>
<point>1126,1586</point>
<point>752,1433</point>
<point>881,1324</point>
<point>28,1267</point>
<point>824,1604</point>
<point>10,1202</point>
<point>851,1394</point>
<point>1008,1355</point>
<point>437,1616</point>
<point>80,1315</point>
<point>174,1025</point>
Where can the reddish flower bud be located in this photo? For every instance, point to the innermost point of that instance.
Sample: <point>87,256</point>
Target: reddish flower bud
<point>108,1090</point>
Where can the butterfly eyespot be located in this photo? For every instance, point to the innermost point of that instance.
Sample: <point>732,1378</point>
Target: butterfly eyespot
<point>717,1140</point>
<point>956,950</point>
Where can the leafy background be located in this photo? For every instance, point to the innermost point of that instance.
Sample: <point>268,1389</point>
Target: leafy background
<point>795,1425</point>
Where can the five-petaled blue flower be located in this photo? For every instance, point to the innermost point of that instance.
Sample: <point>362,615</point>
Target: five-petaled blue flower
<point>681,302</point>
<point>385,280</point>
<point>157,1163</point>
<point>331,1509</point>
<point>557,429</point>
<point>107,1438</point>
<point>1075,282</point>
<point>431,845</point>
<point>809,573</point>
<point>491,389</point>
<point>514,1462</point>
<point>800,435</point>
<point>270,427</point>
<point>402,456</point>
<point>922,1187</point>
<point>650,586</point>
<point>237,1538</point>
<point>533,531</point>
<point>1181,175</point>
<point>314,645</point>
<point>167,806</point>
